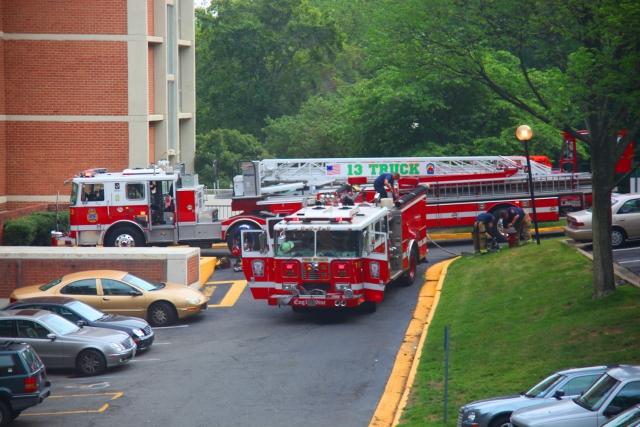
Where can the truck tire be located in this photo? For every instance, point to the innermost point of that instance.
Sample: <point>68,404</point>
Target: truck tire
<point>234,233</point>
<point>368,307</point>
<point>409,276</point>
<point>124,236</point>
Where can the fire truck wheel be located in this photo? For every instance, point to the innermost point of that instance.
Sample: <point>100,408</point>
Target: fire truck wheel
<point>409,277</point>
<point>124,236</point>
<point>368,307</point>
<point>161,314</point>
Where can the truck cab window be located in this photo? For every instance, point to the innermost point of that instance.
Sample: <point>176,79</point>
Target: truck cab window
<point>92,192</point>
<point>135,191</point>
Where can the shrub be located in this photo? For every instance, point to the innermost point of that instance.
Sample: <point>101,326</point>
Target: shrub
<point>19,232</point>
<point>34,229</point>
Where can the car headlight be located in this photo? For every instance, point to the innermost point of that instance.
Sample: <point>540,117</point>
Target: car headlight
<point>471,416</point>
<point>117,346</point>
<point>374,270</point>
<point>193,300</point>
<point>138,332</point>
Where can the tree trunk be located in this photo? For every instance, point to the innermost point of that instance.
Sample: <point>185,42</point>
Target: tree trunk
<point>602,165</point>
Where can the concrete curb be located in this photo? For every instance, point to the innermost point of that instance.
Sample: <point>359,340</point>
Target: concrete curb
<point>443,237</point>
<point>396,392</point>
<point>207,268</point>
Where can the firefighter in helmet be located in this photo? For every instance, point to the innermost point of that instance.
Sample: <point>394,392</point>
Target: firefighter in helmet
<point>484,227</point>
<point>520,220</point>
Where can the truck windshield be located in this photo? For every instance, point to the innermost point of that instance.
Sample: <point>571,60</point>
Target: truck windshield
<point>338,243</point>
<point>291,243</point>
<point>593,398</point>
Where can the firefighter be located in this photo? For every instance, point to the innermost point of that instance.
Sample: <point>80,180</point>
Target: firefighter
<point>520,220</point>
<point>484,227</point>
<point>384,183</point>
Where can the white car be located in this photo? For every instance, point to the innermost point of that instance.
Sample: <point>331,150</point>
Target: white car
<point>625,221</point>
<point>615,391</point>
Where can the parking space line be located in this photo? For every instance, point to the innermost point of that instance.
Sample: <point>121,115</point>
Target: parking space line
<point>629,262</point>
<point>114,395</point>
<point>626,249</point>
<point>170,327</point>
<point>232,295</point>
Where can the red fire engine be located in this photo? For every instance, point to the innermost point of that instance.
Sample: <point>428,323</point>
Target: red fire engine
<point>139,206</point>
<point>337,255</point>
<point>459,188</point>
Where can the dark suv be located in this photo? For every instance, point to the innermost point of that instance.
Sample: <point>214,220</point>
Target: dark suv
<point>23,380</point>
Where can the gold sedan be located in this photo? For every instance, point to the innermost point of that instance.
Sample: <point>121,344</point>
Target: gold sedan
<point>119,292</point>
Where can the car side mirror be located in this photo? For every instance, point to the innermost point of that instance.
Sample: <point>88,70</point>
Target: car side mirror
<point>81,323</point>
<point>135,293</point>
<point>559,394</point>
<point>611,411</point>
<point>52,337</point>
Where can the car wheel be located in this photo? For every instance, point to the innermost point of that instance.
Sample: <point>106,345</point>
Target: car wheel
<point>91,362</point>
<point>124,237</point>
<point>161,314</point>
<point>618,237</point>
<point>409,277</point>
<point>5,414</point>
<point>502,421</point>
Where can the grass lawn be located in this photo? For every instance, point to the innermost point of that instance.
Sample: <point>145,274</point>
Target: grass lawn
<point>516,316</point>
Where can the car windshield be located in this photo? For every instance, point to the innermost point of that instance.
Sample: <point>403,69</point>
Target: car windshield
<point>595,396</point>
<point>543,387</point>
<point>86,311</point>
<point>630,418</point>
<point>50,284</point>
<point>59,325</point>
<point>337,243</point>
<point>291,243</point>
<point>140,283</point>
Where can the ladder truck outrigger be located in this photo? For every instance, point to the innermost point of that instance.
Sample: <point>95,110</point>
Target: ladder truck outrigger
<point>330,256</point>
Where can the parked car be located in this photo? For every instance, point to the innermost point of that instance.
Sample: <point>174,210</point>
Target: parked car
<point>495,412</point>
<point>62,344</point>
<point>625,221</point>
<point>629,418</point>
<point>84,315</point>
<point>23,380</point>
<point>119,292</point>
<point>615,391</point>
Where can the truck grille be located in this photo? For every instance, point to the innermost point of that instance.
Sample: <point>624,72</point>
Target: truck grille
<point>315,288</point>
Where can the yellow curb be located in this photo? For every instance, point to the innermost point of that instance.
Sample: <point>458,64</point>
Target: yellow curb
<point>207,267</point>
<point>396,392</point>
<point>464,236</point>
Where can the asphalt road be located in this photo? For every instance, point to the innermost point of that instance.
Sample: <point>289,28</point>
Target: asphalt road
<point>244,363</point>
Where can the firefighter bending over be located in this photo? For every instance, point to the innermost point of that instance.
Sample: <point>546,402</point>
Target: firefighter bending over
<point>484,227</point>
<point>520,220</point>
<point>384,183</point>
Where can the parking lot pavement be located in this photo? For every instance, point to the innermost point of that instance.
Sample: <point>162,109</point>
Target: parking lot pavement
<point>627,256</point>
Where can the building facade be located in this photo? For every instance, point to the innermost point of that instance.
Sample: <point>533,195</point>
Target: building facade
<point>92,83</point>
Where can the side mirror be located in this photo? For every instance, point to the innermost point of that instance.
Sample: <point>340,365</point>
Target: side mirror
<point>611,411</point>
<point>135,293</point>
<point>81,323</point>
<point>52,337</point>
<point>559,394</point>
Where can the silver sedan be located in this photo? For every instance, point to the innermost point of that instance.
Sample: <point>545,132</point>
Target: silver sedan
<point>61,344</point>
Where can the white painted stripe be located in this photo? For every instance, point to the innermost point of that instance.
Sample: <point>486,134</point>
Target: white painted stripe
<point>633,261</point>
<point>161,343</point>
<point>626,249</point>
<point>374,286</point>
<point>261,285</point>
<point>144,360</point>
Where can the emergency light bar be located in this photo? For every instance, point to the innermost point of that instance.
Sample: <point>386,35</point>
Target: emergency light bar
<point>90,173</point>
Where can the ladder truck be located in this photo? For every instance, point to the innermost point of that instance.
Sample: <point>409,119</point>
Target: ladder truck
<point>458,187</point>
<point>337,256</point>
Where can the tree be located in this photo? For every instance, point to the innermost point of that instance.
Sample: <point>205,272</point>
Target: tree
<point>227,148</point>
<point>567,63</point>
<point>259,59</point>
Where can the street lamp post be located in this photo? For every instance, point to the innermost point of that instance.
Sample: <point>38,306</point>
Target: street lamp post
<point>524,134</point>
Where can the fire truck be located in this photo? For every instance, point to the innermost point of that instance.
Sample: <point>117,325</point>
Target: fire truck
<point>337,255</point>
<point>140,206</point>
<point>459,187</point>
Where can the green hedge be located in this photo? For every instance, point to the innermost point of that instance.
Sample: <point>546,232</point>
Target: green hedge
<point>34,229</point>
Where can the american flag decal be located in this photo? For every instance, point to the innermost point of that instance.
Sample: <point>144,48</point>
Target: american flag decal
<point>333,169</point>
